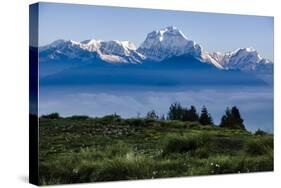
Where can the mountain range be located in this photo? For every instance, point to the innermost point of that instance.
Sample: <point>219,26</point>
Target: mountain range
<point>165,49</point>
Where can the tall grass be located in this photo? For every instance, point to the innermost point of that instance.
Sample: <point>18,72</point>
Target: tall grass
<point>186,143</point>
<point>258,146</point>
<point>128,167</point>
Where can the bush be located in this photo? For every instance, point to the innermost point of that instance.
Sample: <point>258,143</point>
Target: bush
<point>259,163</point>
<point>118,149</point>
<point>58,171</point>
<point>181,144</point>
<point>110,151</point>
<point>225,145</point>
<point>79,117</point>
<point>126,168</point>
<point>134,166</point>
<point>110,119</point>
<point>260,132</point>
<point>152,115</point>
<point>174,123</point>
<point>136,122</point>
<point>51,116</point>
<point>193,125</point>
<point>202,152</point>
<point>256,147</point>
<point>224,164</point>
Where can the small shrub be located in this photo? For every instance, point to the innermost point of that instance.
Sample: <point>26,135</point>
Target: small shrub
<point>110,151</point>
<point>260,132</point>
<point>110,119</point>
<point>223,144</point>
<point>181,144</point>
<point>239,164</point>
<point>194,125</point>
<point>126,168</point>
<point>259,163</point>
<point>224,164</point>
<point>257,147</point>
<point>150,122</point>
<point>79,117</point>
<point>174,124</point>
<point>136,122</point>
<point>118,149</point>
<point>202,152</point>
<point>51,116</point>
<point>152,115</point>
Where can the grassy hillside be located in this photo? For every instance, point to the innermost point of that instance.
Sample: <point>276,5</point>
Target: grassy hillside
<point>81,149</point>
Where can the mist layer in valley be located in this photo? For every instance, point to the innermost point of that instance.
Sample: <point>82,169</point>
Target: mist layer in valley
<point>255,103</point>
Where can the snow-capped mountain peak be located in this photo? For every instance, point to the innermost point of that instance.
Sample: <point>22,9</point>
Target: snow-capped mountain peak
<point>73,42</point>
<point>167,42</point>
<point>164,36</point>
<point>56,43</point>
<point>123,51</point>
<point>128,45</point>
<point>213,60</point>
<point>245,59</point>
<point>159,45</point>
<point>164,33</point>
<point>112,51</point>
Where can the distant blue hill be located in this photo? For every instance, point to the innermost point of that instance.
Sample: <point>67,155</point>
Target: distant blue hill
<point>177,71</point>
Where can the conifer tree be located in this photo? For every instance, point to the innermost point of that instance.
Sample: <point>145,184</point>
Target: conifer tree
<point>193,114</point>
<point>152,115</point>
<point>205,118</point>
<point>232,119</point>
<point>190,114</point>
<point>176,112</point>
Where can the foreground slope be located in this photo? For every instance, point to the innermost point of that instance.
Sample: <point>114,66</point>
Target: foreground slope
<point>81,149</point>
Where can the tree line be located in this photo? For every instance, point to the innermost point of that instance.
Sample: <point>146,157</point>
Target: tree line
<point>231,119</point>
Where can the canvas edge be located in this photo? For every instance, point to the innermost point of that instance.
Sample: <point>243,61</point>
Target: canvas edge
<point>33,94</point>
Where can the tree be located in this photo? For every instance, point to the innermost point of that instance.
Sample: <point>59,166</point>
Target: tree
<point>226,119</point>
<point>205,118</point>
<point>190,114</point>
<point>162,117</point>
<point>232,119</point>
<point>176,112</point>
<point>237,117</point>
<point>152,115</point>
<point>193,114</point>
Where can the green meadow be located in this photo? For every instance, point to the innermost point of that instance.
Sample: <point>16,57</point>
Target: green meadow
<point>81,149</point>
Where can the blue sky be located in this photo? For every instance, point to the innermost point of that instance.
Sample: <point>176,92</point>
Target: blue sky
<point>214,32</point>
